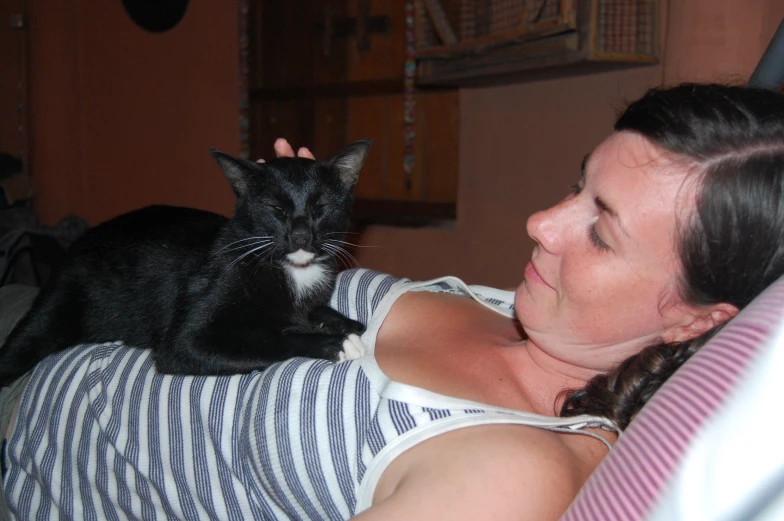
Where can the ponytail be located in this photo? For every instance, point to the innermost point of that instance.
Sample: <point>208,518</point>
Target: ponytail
<point>620,394</point>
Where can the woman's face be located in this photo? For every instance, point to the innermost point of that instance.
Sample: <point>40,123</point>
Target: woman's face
<point>602,281</point>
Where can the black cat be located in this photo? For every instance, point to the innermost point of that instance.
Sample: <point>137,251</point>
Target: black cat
<point>209,295</point>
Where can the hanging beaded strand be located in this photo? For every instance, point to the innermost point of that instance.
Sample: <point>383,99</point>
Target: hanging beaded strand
<point>409,103</point>
<point>18,22</point>
<point>244,80</point>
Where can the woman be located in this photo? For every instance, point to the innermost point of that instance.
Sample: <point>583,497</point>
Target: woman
<point>462,409</point>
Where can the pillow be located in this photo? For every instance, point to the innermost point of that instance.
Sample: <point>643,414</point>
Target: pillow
<point>733,469</point>
<point>629,482</point>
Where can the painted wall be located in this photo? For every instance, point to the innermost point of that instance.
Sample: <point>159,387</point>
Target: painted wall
<point>121,117</point>
<point>521,145</point>
<point>9,66</point>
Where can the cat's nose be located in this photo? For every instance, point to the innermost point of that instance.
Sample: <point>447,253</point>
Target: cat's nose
<point>300,237</point>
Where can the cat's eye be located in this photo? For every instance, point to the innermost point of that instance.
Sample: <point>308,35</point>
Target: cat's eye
<point>319,210</point>
<point>278,211</point>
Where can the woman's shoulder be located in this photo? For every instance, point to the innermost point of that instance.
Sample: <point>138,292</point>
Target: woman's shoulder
<point>452,309</point>
<point>360,291</point>
<point>503,469</point>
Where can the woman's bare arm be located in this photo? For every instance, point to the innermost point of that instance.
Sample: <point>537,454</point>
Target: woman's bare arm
<point>500,472</point>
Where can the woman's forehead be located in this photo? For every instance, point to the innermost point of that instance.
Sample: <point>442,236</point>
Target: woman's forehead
<point>629,159</point>
<point>632,150</point>
<point>642,183</point>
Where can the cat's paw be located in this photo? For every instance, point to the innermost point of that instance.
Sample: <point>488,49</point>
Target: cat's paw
<point>327,321</point>
<point>356,328</point>
<point>353,348</point>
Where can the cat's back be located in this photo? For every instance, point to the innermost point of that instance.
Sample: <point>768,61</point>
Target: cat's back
<point>155,226</point>
<point>125,279</point>
<point>132,273</point>
<point>158,247</point>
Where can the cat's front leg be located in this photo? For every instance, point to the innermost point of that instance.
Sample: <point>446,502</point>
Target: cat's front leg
<point>328,321</point>
<point>245,348</point>
<point>331,322</point>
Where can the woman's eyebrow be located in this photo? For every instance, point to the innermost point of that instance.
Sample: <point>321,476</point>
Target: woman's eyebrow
<point>582,165</point>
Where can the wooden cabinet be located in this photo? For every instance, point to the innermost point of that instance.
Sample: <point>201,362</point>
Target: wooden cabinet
<point>325,73</point>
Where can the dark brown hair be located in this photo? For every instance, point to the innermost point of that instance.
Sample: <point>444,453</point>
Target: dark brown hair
<point>732,247</point>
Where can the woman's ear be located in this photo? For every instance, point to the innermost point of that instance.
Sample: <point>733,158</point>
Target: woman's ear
<point>698,320</point>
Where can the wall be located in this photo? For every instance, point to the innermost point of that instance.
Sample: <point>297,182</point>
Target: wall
<point>122,118</point>
<point>521,145</point>
<point>9,66</point>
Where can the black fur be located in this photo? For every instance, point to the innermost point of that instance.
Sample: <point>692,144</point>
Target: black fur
<point>188,284</point>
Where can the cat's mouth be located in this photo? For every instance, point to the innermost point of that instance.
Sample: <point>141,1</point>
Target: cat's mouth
<point>300,258</point>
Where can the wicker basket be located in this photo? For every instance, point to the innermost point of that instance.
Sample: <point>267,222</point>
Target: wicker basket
<point>464,42</point>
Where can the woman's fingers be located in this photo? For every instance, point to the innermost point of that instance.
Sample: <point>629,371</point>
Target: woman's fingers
<point>304,152</point>
<point>284,149</point>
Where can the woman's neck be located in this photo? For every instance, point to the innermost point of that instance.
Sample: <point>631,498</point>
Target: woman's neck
<point>545,377</point>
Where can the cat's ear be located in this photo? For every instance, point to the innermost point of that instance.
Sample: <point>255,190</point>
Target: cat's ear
<point>236,170</point>
<point>348,162</point>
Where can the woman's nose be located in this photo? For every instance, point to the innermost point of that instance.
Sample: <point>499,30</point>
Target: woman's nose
<point>547,228</point>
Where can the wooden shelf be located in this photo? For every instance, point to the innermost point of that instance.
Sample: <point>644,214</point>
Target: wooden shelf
<point>347,89</point>
<point>572,38</point>
<point>343,89</point>
<point>551,57</point>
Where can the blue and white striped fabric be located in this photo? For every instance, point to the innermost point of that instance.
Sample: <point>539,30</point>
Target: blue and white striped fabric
<point>101,435</point>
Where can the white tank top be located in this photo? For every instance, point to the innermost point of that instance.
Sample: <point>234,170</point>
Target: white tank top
<point>101,435</point>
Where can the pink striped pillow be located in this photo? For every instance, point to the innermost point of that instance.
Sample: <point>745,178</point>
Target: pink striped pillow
<point>629,481</point>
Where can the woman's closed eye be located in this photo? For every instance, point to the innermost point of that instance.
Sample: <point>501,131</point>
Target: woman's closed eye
<point>595,239</point>
<point>593,235</point>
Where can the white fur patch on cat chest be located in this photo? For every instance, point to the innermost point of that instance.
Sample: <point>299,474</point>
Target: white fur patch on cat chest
<point>305,278</point>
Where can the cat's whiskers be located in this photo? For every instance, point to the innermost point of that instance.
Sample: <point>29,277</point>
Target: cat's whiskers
<point>335,249</point>
<point>350,243</point>
<point>235,261</point>
<point>351,261</point>
<point>255,238</point>
<point>246,246</point>
<point>264,258</point>
<point>340,253</point>
<point>278,248</point>
<point>259,263</point>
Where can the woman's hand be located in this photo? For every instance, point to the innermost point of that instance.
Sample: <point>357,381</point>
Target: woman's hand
<point>284,149</point>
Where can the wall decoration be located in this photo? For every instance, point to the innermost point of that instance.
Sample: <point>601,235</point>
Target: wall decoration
<point>156,16</point>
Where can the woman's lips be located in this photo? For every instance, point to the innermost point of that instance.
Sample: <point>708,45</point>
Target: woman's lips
<point>532,275</point>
